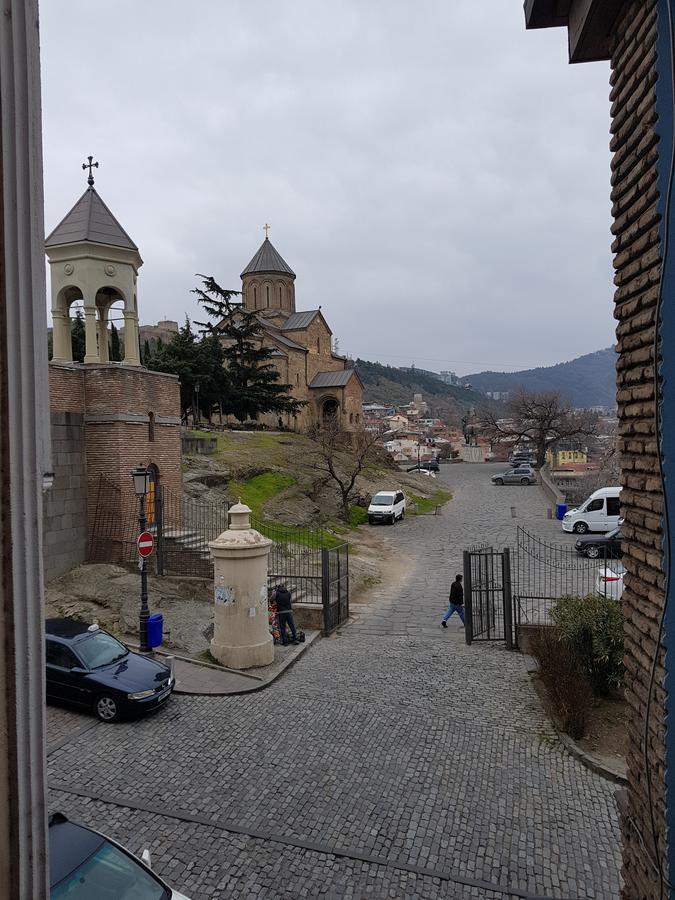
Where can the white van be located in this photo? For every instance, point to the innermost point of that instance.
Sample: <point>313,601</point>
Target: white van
<point>386,506</point>
<point>600,512</point>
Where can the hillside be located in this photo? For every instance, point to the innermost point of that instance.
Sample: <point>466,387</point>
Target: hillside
<point>589,380</point>
<point>393,386</point>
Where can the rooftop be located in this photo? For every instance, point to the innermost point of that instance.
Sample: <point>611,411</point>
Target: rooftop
<point>268,259</point>
<point>90,220</point>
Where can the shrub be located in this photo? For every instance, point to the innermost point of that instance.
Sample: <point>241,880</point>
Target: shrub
<point>592,628</point>
<point>568,687</point>
<point>358,515</point>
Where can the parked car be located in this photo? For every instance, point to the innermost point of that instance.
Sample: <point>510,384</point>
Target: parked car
<point>598,546</point>
<point>523,459</point>
<point>599,512</point>
<point>84,864</point>
<point>609,580</point>
<point>417,471</point>
<point>386,506</point>
<point>519,475</point>
<point>89,668</point>
<point>430,465</point>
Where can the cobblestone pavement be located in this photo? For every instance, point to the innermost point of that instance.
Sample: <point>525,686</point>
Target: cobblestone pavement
<point>391,761</point>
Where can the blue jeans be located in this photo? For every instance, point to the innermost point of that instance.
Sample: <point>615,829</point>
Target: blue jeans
<point>453,608</point>
<point>286,618</point>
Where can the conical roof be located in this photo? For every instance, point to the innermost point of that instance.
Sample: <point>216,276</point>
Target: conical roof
<point>268,260</point>
<point>90,220</point>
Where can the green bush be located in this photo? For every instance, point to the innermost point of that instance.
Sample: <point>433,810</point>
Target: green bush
<point>566,683</point>
<point>592,628</point>
<point>358,515</point>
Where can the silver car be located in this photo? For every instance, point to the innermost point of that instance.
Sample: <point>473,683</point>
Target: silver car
<point>519,475</point>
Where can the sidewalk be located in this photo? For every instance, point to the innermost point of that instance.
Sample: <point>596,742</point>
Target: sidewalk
<point>200,678</point>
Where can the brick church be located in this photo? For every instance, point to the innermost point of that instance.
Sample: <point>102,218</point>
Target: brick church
<point>302,345</point>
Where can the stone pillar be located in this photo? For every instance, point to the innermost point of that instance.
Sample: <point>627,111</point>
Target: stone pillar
<point>103,354</point>
<point>62,344</point>
<point>91,347</point>
<point>131,349</point>
<point>241,635</point>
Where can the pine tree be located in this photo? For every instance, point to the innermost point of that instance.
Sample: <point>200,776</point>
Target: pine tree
<point>115,349</point>
<point>78,336</point>
<point>147,354</point>
<point>252,383</point>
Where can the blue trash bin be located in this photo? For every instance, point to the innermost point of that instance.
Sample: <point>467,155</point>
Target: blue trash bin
<point>560,510</point>
<point>155,629</point>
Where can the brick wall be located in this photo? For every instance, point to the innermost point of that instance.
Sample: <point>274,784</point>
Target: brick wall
<point>65,505</point>
<point>637,265</point>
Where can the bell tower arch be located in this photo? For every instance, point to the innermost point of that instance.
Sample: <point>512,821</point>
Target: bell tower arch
<point>93,260</point>
<point>268,282</point>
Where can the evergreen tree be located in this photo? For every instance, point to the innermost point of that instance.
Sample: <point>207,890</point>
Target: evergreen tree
<point>251,385</point>
<point>146,356</point>
<point>115,349</point>
<point>78,337</point>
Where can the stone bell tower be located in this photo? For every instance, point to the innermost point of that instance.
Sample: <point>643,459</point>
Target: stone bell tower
<point>268,282</point>
<point>93,259</point>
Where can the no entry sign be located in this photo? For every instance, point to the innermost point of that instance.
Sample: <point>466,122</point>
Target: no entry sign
<point>145,543</point>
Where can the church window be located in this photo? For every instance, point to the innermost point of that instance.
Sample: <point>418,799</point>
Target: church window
<point>318,345</point>
<point>281,302</point>
<point>297,378</point>
<point>351,418</point>
<point>255,296</point>
<point>151,426</point>
<point>357,418</point>
<point>268,296</point>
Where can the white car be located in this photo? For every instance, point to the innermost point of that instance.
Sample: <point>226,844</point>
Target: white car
<point>609,580</point>
<point>426,472</point>
<point>386,506</point>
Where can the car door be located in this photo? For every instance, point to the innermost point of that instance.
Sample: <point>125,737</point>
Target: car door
<point>510,476</point>
<point>595,515</point>
<point>613,512</point>
<point>64,674</point>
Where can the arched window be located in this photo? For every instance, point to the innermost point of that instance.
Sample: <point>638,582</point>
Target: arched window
<point>351,418</point>
<point>255,297</point>
<point>281,301</point>
<point>151,426</point>
<point>268,296</point>
<point>357,418</point>
<point>297,378</point>
<point>318,345</point>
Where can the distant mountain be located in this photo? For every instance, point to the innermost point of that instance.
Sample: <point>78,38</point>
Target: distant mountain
<point>589,380</point>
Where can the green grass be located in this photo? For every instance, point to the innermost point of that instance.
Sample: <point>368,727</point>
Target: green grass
<point>358,515</point>
<point>256,491</point>
<point>428,504</point>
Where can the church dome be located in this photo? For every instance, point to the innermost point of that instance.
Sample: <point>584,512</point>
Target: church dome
<point>268,261</point>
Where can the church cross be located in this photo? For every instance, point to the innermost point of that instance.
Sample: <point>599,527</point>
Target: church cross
<point>266,229</point>
<point>90,165</point>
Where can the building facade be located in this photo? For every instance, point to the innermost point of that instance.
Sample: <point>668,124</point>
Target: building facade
<point>302,345</point>
<point>636,36</point>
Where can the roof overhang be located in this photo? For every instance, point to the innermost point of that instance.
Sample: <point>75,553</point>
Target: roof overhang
<point>589,23</point>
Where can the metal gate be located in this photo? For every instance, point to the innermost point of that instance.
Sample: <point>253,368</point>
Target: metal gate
<point>487,592</point>
<point>335,586</point>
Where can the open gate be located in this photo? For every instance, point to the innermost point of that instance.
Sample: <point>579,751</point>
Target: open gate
<point>487,596</point>
<point>335,586</point>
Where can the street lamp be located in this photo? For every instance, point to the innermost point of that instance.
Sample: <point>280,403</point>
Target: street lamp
<point>140,477</point>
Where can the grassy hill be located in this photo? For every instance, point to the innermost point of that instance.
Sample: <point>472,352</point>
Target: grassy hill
<point>589,380</point>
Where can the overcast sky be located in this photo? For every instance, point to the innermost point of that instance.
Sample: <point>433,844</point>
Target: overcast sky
<point>437,177</point>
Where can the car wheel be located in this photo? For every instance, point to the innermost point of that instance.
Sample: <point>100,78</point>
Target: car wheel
<point>524,480</point>
<point>593,552</point>
<point>580,528</point>
<point>106,708</point>
<point>402,514</point>
<point>499,481</point>
<point>392,519</point>
<point>371,521</point>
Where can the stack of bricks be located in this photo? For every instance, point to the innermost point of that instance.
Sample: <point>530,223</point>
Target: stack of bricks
<point>638,265</point>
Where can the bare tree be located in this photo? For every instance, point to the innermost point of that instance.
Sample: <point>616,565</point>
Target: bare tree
<point>341,456</point>
<point>541,419</point>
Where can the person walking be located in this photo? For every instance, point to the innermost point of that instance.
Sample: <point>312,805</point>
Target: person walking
<point>282,597</point>
<point>456,604</point>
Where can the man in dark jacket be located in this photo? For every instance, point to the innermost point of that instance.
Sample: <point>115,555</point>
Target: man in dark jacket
<point>282,597</point>
<point>456,601</point>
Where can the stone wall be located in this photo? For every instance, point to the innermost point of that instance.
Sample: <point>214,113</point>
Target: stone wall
<point>637,264</point>
<point>65,505</point>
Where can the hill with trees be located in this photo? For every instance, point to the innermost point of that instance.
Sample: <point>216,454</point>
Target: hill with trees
<point>587,381</point>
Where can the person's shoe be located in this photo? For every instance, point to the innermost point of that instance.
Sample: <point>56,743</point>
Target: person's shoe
<point>444,624</point>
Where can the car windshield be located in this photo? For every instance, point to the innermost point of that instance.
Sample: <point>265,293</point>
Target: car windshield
<point>383,499</point>
<point>109,873</point>
<point>100,649</point>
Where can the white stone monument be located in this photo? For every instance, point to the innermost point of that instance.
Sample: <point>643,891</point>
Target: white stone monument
<point>241,635</point>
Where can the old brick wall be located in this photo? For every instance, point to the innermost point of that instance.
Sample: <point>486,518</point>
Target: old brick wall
<point>65,504</point>
<point>637,266</point>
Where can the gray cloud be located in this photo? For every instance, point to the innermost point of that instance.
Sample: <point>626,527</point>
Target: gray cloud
<point>437,176</point>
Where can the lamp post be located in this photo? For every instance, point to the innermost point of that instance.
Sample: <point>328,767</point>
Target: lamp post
<point>140,478</point>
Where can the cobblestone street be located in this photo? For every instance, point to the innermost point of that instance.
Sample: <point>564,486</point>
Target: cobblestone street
<point>391,761</point>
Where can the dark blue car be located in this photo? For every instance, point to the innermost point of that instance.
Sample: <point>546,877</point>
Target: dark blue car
<point>89,668</point>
